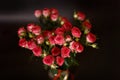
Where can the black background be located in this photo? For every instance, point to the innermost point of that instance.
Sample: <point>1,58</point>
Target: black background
<point>15,62</point>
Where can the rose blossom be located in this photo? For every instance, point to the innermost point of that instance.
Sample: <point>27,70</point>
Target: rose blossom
<point>68,38</point>
<point>90,37</point>
<point>37,51</point>
<point>76,32</point>
<point>30,27</point>
<point>51,40</point>
<point>36,30</point>
<point>80,48</point>
<point>37,13</point>
<point>87,24</point>
<point>53,10</point>
<point>23,42</point>
<point>40,39</point>
<point>81,16</point>
<point>54,17</point>
<point>55,51</point>
<point>46,12</point>
<point>59,39</point>
<point>31,44</point>
<point>48,60</point>
<point>47,33</point>
<point>59,60</point>
<point>21,31</point>
<point>67,26</point>
<point>65,52</point>
<point>59,30</point>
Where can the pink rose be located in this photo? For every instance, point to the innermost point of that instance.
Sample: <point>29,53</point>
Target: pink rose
<point>81,16</point>
<point>59,30</point>
<point>90,37</point>
<point>80,48</point>
<point>47,33</point>
<point>55,51</point>
<point>48,60</point>
<point>67,26</point>
<point>30,27</point>
<point>37,51</point>
<point>40,39</point>
<point>59,39</point>
<point>87,24</point>
<point>51,40</point>
<point>68,38</point>
<point>21,31</point>
<point>36,30</point>
<point>37,13</point>
<point>65,52</point>
<point>23,42</point>
<point>53,10</point>
<point>46,12</point>
<point>31,44</point>
<point>59,60</point>
<point>54,17</point>
<point>76,32</point>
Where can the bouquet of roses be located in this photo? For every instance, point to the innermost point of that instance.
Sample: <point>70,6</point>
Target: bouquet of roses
<point>56,40</point>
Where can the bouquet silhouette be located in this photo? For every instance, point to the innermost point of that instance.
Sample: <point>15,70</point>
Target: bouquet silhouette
<point>56,40</point>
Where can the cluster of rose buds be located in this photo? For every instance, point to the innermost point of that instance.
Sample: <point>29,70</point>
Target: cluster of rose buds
<point>58,44</point>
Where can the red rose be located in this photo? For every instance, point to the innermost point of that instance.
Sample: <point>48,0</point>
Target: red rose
<point>23,42</point>
<point>37,13</point>
<point>37,51</point>
<point>68,38</point>
<point>59,39</point>
<point>30,27</point>
<point>21,31</point>
<point>59,30</point>
<point>40,39</point>
<point>80,16</point>
<point>47,33</point>
<point>54,17</point>
<point>31,44</point>
<point>36,30</point>
<point>55,51</point>
<point>53,10</point>
<point>91,38</point>
<point>48,60</point>
<point>65,52</point>
<point>67,26</point>
<point>46,12</point>
<point>64,19</point>
<point>76,32</point>
<point>87,24</point>
<point>59,60</point>
<point>80,48</point>
<point>51,40</point>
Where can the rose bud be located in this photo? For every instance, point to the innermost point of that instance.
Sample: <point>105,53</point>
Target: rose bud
<point>65,52</point>
<point>68,38</point>
<point>59,39</point>
<point>76,32</point>
<point>48,60</point>
<point>23,42</point>
<point>30,27</point>
<point>37,51</point>
<point>90,37</point>
<point>46,12</point>
<point>53,10</point>
<point>54,17</point>
<point>59,60</point>
<point>21,31</point>
<point>36,30</point>
<point>63,20</point>
<point>40,39</point>
<point>37,13</point>
<point>51,40</point>
<point>55,51</point>
<point>87,24</point>
<point>80,16</point>
<point>59,30</point>
<point>31,44</point>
